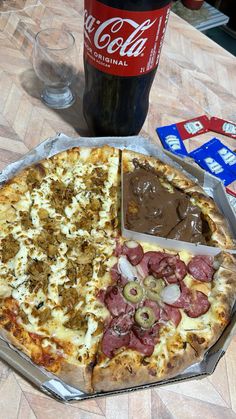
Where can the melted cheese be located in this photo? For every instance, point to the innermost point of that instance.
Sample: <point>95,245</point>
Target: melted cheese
<point>41,198</point>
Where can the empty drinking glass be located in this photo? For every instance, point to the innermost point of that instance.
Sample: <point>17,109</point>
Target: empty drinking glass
<point>54,61</point>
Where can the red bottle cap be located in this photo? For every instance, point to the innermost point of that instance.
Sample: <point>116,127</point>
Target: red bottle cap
<point>193,4</point>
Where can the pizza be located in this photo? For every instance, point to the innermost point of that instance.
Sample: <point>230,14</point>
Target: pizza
<point>100,311</point>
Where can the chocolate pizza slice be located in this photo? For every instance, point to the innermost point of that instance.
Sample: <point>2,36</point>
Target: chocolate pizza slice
<point>160,200</point>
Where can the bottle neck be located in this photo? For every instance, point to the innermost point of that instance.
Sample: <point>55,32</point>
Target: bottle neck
<point>136,5</point>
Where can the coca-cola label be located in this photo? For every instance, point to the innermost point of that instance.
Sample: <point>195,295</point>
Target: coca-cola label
<point>121,42</point>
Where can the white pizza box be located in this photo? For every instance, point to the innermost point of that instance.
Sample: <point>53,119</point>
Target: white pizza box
<point>48,382</point>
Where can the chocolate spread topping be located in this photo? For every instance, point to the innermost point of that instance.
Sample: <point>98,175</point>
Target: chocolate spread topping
<point>151,208</point>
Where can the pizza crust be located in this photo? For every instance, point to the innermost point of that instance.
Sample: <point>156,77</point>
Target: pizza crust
<point>72,374</point>
<point>126,369</point>
<point>78,376</point>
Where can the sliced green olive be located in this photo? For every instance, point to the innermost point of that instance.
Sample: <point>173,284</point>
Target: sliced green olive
<point>133,292</point>
<point>154,284</point>
<point>145,317</point>
<point>153,287</point>
<point>153,295</point>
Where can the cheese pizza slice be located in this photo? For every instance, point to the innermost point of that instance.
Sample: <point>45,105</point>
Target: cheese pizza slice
<point>58,220</point>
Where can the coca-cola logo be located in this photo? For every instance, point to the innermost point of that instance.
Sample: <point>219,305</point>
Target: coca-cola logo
<point>123,42</point>
<point>109,35</point>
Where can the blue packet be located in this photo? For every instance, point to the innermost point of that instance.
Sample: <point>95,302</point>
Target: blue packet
<point>225,155</point>
<point>212,163</point>
<point>171,140</point>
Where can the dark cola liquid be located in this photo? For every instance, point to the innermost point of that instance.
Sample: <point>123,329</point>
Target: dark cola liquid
<point>118,105</point>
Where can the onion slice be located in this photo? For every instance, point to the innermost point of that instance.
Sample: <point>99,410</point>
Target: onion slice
<point>141,271</point>
<point>216,264</point>
<point>127,270</point>
<point>170,294</point>
<point>131,244</point>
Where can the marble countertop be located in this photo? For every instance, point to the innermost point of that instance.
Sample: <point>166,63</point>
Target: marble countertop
<point>195,77</point>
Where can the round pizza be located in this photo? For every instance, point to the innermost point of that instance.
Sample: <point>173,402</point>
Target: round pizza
<point>98,310</point>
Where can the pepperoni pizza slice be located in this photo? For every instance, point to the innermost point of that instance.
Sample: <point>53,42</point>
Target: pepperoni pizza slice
<point>165,310</point>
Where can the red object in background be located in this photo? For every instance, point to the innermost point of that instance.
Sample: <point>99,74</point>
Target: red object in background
<point>223,127</point>
<point>193,4</point>
<point>191,127</point>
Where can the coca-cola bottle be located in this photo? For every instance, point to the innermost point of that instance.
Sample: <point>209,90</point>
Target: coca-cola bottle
<point>122,44</point>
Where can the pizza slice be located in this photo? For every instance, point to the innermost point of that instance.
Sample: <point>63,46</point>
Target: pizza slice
<point>58,221</point>
<point>160,200</point>
<point>166,309</point>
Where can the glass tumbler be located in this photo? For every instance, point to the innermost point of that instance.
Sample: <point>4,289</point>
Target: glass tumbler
<point>54,61</point>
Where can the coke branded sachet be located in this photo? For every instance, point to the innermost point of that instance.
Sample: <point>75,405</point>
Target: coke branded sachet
<point>192,127</point>
<point>210,160</point>
<point>223,127</point>
<point>171,140</point>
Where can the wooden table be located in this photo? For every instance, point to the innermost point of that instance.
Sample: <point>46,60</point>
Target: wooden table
<point>195,77</point>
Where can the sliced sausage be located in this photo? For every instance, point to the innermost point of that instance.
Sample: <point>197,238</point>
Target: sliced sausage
<point>136,344</point>
<point>144,266</point>
<point>170,267</point>
<point>133,251</point>
<point>117,334</point>
<point>115,302</point>
<point>201,268</point>
<point>112,341</point>
<point>198,305</point>
<point>171,313</point>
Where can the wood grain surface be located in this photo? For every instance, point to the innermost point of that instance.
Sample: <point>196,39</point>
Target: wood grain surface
<point>195,77</point>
